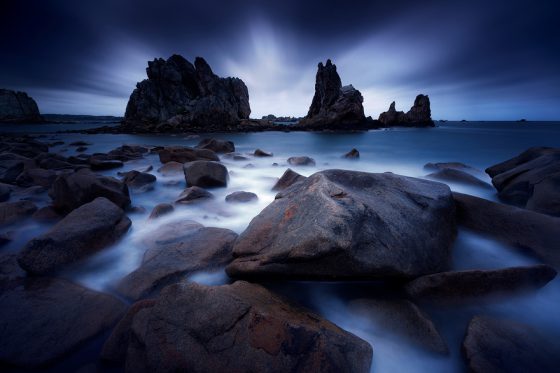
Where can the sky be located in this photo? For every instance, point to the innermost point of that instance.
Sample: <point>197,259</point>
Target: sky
<point>477,60</point>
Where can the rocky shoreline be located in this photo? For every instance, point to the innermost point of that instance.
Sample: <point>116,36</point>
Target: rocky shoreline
<point>335,225</point>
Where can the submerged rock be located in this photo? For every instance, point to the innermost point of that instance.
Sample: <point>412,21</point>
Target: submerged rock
<point>193,194</point>
<point>171,168</point>
<point>241,197</point>
<point>496,345</point>
<point>84,231</point>
<point>333,105</point>
<point>18,107</point>
<point>350,225</point>
<point>473,285</point>
<point>288,178</point>
<point>539,233</point>
<point>198,249</point>
<point>301,161</point>
<point>418,115</point>
<point>402,318</point>
<point>216,145</point>
<point>15,212</point>
<point>182,96</point>
<point>43,319</point>
<point>352,154</point>
<point>70,191</point>
<point>530,180</point>
<point>205,174</point>
<point>262,153</point>
<point>139,181</point>
<point>458,176</point>
<point>221,323</point>
<point>184,154</point>
<point>161,210</point>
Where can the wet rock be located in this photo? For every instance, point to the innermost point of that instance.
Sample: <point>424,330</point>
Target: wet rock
<point>36,176</point>
<point>472,285</point>
<point>11,166</point>
<point>114,349</point>
<point>178,95</point>
<point>25,146</point>
<point>205,174</point>
<point>333,105</point>
<point>170,233</point>
<point>18,107</point>
<point>101,163</point>
<point>15,212</point>
<point>33,193</point>
<point>47,214</point>
<point>9,270</point>
<point>248,166</point>
<point>161,210</point>
<point>261,153</point>
<point>198,249</point>
<point>241,197</point>
<point>70,191</point>
<point>79,143</point>
<point>288,178</point>
<point>139,181</point>
<point>349,225</point>
<point>221,323</point>
<point>418,115</point>
<point>441,166</point>
<point>127,153</point>
<point>404,319</point>
<point>216,145</point>
<point>5,191</point>
<point>193,194</point>
<point>458,176</point>
<point>84,231</point>
<point>539,233</point>
<point>499,345</point>
<point>235,156</point>
<point>530,180</point>
<point>171,168</point>
<point>44,319</point>
<point>57,162</point>
<point>352,154</point>
<point>301,161</point>
<point>183,154</point>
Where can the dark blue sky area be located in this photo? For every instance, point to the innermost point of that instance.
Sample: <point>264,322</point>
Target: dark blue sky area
<point>490,60</point>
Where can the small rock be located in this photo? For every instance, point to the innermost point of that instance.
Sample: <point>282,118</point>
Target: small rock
<point>79,143</point>
<point>458,176</point>
<point>219,146</point>
<point>171,168</point>
<point>241,197</point>
<point>262,153</point>
<point>98,163</point>
<point>352,154</point>
<point>301,161</point>
<point>81,149</point>
<point>183,154</point>
<point>139,181</point>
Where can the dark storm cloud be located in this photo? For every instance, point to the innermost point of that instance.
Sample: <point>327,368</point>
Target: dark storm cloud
<point>493,60</point>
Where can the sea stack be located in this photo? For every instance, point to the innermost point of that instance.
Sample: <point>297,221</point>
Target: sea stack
<point>333,105</point>
<point>419,114</point>
<point>181,96</point>
<point>18,107</point>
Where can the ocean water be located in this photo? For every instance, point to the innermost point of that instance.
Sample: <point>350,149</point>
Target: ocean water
<point>401,151</point>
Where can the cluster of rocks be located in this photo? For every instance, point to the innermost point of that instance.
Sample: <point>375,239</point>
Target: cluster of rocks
<point>333,225</point>
<point>18,107</point>
<point>178,94</point>
<point>418,115</point>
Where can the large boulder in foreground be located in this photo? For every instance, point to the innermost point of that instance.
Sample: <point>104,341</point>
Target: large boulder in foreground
<point>350,225</point>
<point>181,95</point>
<point>18,107</point>
<point>497,345</point>
<point>197,249</point>
<point>70,191</point>
<point>43,319</point>
<point>530,180</point>
<point>205,174</point>
<point>221,324</point>
<point>539,233</point>
<point>84,231</point>
<point>419,114</point>
<point>333,105</point>
<point>474,285</point>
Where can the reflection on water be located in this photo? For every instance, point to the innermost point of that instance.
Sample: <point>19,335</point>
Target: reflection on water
<point>402,151</point>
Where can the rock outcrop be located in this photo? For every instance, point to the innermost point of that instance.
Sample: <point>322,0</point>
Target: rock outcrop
<point>180,95</point>
<point>530,180</point>
<point>418,115</point>
<point>18,107</point>
<point>233,328</point>
<point>350,225</point>
<point>333,105</point>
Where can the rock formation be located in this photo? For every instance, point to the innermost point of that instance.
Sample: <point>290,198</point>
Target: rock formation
<point>18,107</point>
<point>178,95</point>
<point>333,105</point>
<point>418,115</point>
